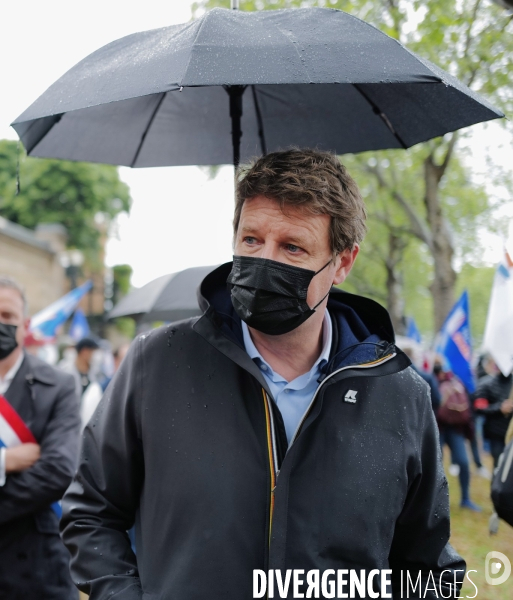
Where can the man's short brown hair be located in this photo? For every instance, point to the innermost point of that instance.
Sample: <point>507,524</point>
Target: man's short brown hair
<point>312,180</point>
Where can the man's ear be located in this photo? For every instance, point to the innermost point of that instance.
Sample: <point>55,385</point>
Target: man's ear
<point>344,263</point>
<point>26,326</point>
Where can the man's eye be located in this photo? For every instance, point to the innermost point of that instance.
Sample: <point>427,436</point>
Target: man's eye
<point>292,248</point>
<point>249,240</point>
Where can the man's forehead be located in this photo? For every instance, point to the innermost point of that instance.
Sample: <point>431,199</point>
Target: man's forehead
<point>262,212</point>
<point>10,299</point>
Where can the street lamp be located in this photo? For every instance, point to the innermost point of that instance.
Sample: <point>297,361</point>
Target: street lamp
<point>72,260</point>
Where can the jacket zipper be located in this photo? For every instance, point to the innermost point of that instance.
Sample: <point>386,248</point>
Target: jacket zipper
<point>271,436</point>
<point>273,458</point>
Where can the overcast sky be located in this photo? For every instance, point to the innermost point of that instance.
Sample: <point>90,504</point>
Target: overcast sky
<point>179,218</point>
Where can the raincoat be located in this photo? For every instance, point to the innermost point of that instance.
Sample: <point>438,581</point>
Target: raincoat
<point>188,443</point>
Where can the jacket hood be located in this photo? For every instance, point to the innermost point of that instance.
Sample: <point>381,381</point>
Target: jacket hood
<point>362,329</point>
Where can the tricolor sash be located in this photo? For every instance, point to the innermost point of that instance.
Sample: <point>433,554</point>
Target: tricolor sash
<point>14,432</point>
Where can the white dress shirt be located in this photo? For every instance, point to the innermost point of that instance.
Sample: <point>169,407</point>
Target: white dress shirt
<point>5,382</point>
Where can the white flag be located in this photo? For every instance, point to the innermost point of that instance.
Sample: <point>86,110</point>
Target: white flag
<point>498,337</point>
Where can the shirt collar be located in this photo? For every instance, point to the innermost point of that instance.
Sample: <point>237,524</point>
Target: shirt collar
<point>327,334</point>
<point>11,373</point>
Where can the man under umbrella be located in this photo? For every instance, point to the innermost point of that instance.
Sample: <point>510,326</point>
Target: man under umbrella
<point>281,430</point>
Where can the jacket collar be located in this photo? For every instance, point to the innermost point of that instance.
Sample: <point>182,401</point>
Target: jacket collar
<point>37,370</point>
<point>362,329</point>
<point>11,373</point>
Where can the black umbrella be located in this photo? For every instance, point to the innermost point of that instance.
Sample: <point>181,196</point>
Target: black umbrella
<point>168,298</point>
<point>171,96</point>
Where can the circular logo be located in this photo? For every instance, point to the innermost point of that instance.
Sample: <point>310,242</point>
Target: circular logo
<point>494,564</point>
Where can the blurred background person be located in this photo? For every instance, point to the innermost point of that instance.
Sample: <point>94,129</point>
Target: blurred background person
<point>118,356</point>
<point>81,367</point>
<point>485,366</point>
<point>454,417</point>
<point>38,452</point>
<point>491,399</point>
<point>84,373</point>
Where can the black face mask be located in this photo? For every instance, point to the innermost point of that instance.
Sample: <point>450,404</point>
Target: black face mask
<point>270,296</point>
<point>8,341</point>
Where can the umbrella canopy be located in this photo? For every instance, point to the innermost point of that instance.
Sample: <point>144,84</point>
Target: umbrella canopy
<point>180,95</point>
<point>167,298</point>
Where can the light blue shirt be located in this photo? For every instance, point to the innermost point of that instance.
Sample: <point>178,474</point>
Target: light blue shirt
<point>292,397</point>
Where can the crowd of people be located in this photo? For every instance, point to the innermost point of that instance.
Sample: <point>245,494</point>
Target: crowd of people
<point>470,423</point>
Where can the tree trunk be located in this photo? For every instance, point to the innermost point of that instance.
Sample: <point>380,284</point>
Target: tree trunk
<point>442,288</point>
<point>395,300</point>
<point>433,231</point>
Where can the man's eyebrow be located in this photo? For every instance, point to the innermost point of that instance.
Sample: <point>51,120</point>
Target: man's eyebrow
<point>296,240</point>
<point>291,239</point>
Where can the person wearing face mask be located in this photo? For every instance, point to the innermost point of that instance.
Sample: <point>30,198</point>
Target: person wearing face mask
<point>281,430</point>
<point>39,427</point>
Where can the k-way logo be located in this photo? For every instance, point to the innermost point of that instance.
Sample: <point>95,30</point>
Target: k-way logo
<point>350,396</point>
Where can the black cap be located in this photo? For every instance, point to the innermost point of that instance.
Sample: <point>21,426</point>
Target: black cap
<point>86,343</point>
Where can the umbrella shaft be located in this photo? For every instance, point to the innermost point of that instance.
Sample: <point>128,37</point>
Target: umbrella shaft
<point>235,92</point>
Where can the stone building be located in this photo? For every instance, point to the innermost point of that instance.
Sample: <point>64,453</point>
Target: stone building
<point>33,259</point>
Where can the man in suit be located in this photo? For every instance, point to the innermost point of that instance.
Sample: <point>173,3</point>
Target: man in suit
<point>34,474</point>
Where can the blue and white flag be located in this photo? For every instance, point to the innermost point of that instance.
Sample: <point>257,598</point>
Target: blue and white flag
<point>455,344</point>
<point>412,331</point>
<point>79,327</point>
<point>47,320</point>
<point>498,336</point>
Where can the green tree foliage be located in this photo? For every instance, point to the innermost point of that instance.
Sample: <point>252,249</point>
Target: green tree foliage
<point>478,281</point>
<point>77,195</point>
<point>122,275</point>
<point>465,203</point>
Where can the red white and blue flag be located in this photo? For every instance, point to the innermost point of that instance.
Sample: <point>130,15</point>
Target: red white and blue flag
<point>454,342</point>
<point>14,432</point>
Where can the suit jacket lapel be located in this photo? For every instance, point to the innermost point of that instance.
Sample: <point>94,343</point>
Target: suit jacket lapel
<point>18,393</point>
